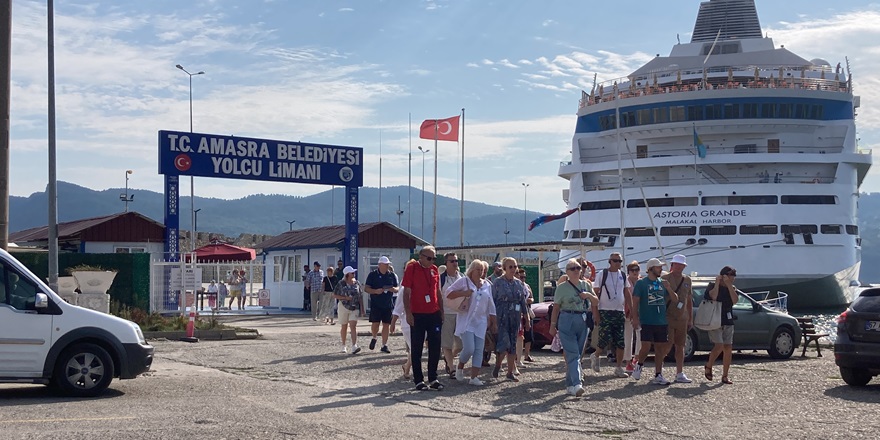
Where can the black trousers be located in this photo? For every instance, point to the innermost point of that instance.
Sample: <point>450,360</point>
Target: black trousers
<point>425,326</point>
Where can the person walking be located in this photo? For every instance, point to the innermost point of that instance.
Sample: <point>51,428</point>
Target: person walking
<point>242,286</point>
<point>381,285</point>
<point>213,294</point>
<point>315,281</point>
<point>399,314</point>
<point>349,293</point>
<point>632,340</point>
<point>222,293</point>
<point>723,290</point>
<point>235,289</point>
<point>328,303</point>
<point>307,289</point>
<point>651,295</point>
<point>476,315</point>
<point>680,314</point>
<point>423,305</point>
<point>524,353</point>
<point>510,304</point>
<point>450,343</point>
<point>569,320</point>
<point>614,292</point>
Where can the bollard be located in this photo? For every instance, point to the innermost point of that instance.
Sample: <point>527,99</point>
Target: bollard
<point>191,327</point>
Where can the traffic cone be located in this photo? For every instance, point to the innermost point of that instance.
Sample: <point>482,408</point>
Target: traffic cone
<point>191,328</point>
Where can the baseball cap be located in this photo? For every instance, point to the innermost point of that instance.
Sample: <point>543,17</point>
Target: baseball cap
<point>680,259</point>
<point>348,270</point>
<point>497,264</point>
<point>384,260</point>
<point>654,262</point>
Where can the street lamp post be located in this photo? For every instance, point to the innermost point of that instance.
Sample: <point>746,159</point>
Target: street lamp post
<point>192,197</point>
<point>125,197</point>
<point>525,211</point>
<point>506,231</point>
<point>423,188</point>
<point>196,227</point>
<point>290,224</point>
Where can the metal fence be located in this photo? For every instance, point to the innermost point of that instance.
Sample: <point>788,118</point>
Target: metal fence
<point>165,298</point>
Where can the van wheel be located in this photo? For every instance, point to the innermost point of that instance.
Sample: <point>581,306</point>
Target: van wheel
<point>782,344</point>
<point>83,370</point>
<point>855,377</point>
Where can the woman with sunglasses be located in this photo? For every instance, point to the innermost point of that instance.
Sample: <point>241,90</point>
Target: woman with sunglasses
<point>510,304</point>
<point>569,319</point>
<point>631,338</point>
<point>476,315</point>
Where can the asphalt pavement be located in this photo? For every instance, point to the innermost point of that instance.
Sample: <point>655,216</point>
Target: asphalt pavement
<point>295,382</point>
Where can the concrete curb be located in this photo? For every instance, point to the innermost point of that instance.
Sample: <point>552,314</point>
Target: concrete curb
<point>208,335</point>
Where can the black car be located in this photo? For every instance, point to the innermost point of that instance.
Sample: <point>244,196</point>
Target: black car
<point>857,348</point>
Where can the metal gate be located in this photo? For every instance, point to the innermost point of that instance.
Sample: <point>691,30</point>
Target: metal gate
<point>165,298</point>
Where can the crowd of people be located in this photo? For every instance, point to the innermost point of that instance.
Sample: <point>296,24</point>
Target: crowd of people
<point>469,316</point>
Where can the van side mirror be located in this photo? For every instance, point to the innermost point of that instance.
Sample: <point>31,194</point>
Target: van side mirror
<point>41,301</point>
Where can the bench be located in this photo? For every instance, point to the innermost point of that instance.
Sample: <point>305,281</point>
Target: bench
<point>808,332</point>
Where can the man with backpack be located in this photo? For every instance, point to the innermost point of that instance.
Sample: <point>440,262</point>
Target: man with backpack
<point>615,298</point>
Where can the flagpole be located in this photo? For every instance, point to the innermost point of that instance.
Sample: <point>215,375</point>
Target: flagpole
<point>380,175</point>
<point>620,175</point>
<point>409,185</point>
<point>461,209</point>
<point>434,235</point>
<point>696,174</point>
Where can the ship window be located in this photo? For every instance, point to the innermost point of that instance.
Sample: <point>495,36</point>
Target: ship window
<point>768,110</point>
<point>745,149</point>
<point>695,113</point>
<point>785,111</point>
<point>731,111</point>
<point>676,113</point>
<point>627,119</point>
<point>677,231</point>
<point>816,111</point>
<point>830,229</point>
<point>666,201</point>
<point>740,200</point>
<point>714,111</point>
<point>800,229</point>
<point>661,115</point>
<point>809,200</point>
<point>641,151</point>
<point>802,111</point>
<point>640,232</point>
<point>609,232</point>
<point>852,229</point>
<point>750,111</point>
<point>608,122</point>
<point>643,116</point>
<point>603,204</point>
<point>759,229</point>
<point>717,230</point>
<point>579,233</point>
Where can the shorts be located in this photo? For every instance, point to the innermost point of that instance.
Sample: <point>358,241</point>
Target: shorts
<point>234,293</point>
<point>380,315</point>
<point>678,332</point>
<point>448,340</point>
<point>654,333</point>
<point>723,335</point>
<point>611,326</point>
<point>346,315</point>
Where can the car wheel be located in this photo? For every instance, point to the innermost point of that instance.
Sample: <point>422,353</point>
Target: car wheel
<point>855,377</point>
<point>782,344</point>
<point>690,346</point>
<point>83,370</point>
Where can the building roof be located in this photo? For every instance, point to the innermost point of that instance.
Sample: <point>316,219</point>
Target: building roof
<point>123,226</point>
<point>381,234</point>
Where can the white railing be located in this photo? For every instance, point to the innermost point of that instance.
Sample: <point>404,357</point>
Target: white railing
<point>777,302</point>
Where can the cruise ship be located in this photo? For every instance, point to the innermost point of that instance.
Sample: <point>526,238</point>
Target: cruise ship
<point>731,151</point>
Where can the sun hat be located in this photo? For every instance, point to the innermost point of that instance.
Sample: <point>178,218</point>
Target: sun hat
<point>654,262</point>
<point>348,270</point>
<point>680,259</point>
<point>384,260</point>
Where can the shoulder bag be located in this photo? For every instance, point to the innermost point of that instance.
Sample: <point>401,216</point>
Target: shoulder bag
<point>708,315</point>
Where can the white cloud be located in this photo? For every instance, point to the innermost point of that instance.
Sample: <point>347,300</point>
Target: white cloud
<point>472,65</point>
<point>525,62</point>
<point>546,23</point>
<point>506,63</point>
<point>346,10</point>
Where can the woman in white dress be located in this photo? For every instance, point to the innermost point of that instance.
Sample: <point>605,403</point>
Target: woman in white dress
<point>476,313</point>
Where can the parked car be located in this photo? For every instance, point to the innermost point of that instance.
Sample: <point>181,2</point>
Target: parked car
<point>48,341</point>
<point>755,327</point>
<point>857,348</point>
<point>541,325</point>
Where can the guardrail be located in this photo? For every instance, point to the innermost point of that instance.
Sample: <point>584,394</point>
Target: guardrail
<point>779,302</point>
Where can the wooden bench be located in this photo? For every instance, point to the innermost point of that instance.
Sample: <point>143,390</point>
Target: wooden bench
<point>808,332</point>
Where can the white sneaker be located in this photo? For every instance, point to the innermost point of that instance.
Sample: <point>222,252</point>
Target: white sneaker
<point>579,391</point>
<point>594,362</point>
<point>355,349</point>
<point>637,372</point>
<point>475,381</point>
<point>618,371</point>
<point>345,349</point>
<point>660,380</point>
<point>681,378</point>
<point>459,374</point>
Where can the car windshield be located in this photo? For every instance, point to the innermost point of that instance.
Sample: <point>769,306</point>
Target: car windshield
<point>868,301</point>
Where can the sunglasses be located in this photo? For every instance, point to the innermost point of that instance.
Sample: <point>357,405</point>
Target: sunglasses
<point>427,257</point>
<point>616,261</point>
<point>513,266</point>
<point>635,270</point>
<point>452,261</point>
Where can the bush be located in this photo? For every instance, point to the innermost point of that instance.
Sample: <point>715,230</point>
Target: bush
<point>154,322</point>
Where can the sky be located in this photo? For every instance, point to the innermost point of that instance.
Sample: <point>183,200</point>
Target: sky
<point>356,72</point>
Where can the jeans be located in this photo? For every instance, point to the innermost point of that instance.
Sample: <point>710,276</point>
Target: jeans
<point>425,325</point>
<point>573,335</point>
<point>472,349</point>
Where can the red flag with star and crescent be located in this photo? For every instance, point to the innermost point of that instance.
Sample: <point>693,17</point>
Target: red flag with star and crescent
<point>440,129</point>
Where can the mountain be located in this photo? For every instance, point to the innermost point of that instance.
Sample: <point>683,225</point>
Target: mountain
<point>269,214</point>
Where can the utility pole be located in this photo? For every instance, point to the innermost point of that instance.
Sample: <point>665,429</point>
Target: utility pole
<point>5,86</point>
<point>52,188</point>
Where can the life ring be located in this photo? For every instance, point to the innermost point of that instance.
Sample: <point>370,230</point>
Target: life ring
<point>592,270</point>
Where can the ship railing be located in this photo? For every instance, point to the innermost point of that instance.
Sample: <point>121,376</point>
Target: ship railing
<point>703,179</point>
<point>777,301</point>
<point>671,80</point>
<point>587,157</point>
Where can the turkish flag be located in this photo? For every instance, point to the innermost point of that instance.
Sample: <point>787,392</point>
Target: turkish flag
<point>440,129</point>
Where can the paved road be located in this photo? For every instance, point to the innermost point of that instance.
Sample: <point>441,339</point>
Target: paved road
<point>296,382</point>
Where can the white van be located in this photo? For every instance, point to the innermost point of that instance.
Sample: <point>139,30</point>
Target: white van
<point>46,340</point>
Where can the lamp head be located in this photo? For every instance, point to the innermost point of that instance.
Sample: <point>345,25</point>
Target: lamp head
<point>178,66</point>
<point>129,172</point>
<point>200,73</point>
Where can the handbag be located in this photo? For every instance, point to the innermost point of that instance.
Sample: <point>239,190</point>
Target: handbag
<point>465,303</point>
<point>708,315</point>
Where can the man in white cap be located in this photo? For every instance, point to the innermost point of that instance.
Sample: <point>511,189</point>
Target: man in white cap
<point>381,285</point>
<point>650,296</point>
<point>679,314</point>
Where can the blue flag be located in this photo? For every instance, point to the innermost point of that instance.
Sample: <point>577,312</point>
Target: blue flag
<point>698,144</point>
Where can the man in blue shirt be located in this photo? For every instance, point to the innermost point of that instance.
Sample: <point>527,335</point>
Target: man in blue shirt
<point>650,296</point>
<point>381,285</point>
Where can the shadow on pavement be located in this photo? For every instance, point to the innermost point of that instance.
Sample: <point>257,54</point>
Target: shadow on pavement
<point>867,394</point>
<point>42,395</point>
